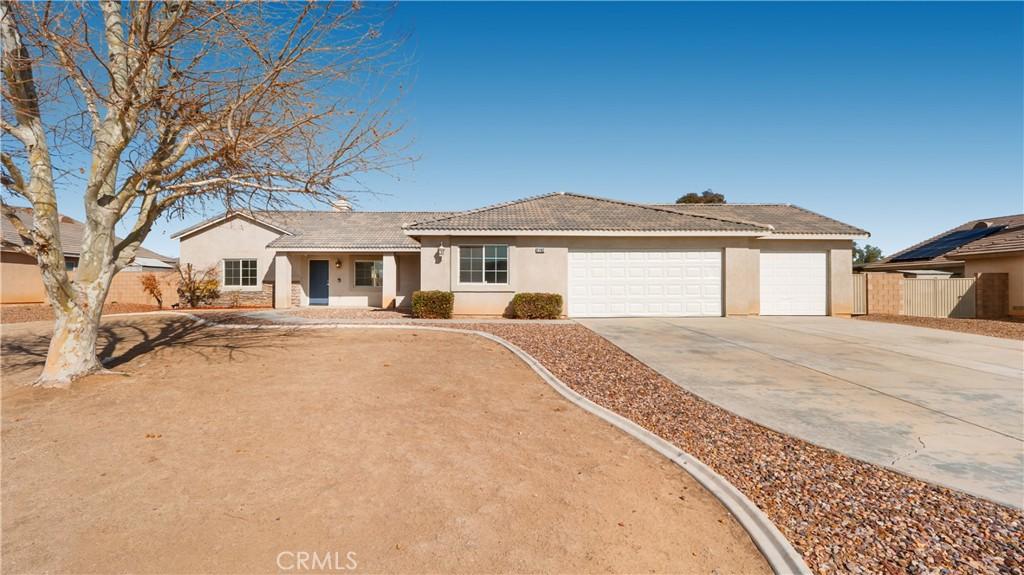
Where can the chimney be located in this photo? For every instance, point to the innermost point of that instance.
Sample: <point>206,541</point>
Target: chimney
<point>341,204</point>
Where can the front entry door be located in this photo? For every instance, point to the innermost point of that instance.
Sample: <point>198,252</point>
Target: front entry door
<point>319,282</point>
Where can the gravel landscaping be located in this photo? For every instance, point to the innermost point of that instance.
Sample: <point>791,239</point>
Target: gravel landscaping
<point>21,313</point>
<point>1009,328</point>
<point>841,514</point>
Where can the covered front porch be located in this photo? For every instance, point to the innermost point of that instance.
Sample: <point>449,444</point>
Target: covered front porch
<point>356,279</point>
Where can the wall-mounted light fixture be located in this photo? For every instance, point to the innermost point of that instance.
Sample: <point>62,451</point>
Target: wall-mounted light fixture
<point>337,263</point>
<point>440,251</point>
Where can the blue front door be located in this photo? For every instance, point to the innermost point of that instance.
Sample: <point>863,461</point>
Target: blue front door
<point>319,282</point>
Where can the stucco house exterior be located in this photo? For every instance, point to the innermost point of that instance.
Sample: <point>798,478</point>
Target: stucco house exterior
<point>988,245</point>
<point>605,257</point>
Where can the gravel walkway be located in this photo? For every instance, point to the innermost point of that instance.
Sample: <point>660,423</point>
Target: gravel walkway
<point>345,313</point>
<point>1009,328</point>
<point>21,313</point>
<point>841,514</point>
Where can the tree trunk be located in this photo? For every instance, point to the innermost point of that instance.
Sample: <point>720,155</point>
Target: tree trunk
<point>72,352</point>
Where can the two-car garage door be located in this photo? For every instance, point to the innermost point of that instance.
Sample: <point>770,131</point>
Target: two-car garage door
<point>645,283</point>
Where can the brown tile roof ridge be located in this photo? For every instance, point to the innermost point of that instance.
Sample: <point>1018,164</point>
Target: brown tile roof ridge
<point>584,196</point>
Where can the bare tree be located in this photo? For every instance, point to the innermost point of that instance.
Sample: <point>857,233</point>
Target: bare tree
<point>179,106</point>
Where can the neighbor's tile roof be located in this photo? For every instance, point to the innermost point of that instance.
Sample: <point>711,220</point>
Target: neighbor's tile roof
<point>1003,241</point>
<point>783,218</point>
<point>348,230</point>
<point>72,232</point>
<point>573,212</point>
<point>1009,240</point>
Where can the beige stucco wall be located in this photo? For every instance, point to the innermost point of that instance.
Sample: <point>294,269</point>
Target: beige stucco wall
<point>1010,264</point>
<point>548,271</point>
<point>234,238</point>
<point>20,281</point>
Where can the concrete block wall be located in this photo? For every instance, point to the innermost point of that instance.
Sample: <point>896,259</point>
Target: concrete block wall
<point>992,295</point>
<point>126,287</point>
<point>885,293</point>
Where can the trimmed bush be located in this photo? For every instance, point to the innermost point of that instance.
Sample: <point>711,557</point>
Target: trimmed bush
<point>537,306</point>
<point>433,304</point>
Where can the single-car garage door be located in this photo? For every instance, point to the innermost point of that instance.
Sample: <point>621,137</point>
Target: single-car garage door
<point>645,283</point>
<point>793,283</point>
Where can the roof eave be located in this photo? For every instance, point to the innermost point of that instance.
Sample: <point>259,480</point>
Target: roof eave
<point>348,249</point>
<point>223,218</point>
<point>778,236</point>
<point>413,232</point>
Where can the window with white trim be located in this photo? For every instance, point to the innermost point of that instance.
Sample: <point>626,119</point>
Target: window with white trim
<point>483,264</point>
<point>240,273</point>
<point>369,273</point>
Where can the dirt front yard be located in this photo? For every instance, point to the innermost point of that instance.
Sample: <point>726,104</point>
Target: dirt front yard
<point>232,451</point>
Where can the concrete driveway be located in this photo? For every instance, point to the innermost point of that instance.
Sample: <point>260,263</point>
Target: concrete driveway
<point>941,406</point>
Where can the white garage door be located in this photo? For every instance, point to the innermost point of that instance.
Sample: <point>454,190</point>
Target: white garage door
<point>645,283</point>
<point>793,283</point>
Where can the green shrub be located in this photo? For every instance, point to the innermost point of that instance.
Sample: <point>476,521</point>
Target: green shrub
<point>433,304</point>
<point>537,306</point>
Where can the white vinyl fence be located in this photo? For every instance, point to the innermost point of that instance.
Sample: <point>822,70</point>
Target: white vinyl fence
<point>950,297</point>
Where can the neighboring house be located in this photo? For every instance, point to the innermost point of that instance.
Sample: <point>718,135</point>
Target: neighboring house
<point>990,245</point>
<point>20,281</point>
<point>605,257</point>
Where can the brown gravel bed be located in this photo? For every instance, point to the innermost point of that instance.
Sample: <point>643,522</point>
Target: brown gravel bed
<point>843,515</point>
<point>21,313</point>
<point>1008,328</point>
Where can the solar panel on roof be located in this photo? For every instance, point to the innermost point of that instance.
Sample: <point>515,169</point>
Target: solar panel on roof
<point>946,243</point>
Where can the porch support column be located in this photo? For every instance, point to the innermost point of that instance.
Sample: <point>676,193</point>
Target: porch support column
<point>282,280</point>
<point>390,281</point>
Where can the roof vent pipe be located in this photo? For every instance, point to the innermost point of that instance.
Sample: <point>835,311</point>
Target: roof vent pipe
<point>341,204</point>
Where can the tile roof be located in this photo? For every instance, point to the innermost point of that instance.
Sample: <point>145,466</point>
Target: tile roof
<point>72,233</point>
<point>1002,241</point>
<point>574,212</point>
<point>348,230</point>
<point>783,218</point>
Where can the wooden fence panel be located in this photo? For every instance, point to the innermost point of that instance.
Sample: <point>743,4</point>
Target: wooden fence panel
<point>950,297</point>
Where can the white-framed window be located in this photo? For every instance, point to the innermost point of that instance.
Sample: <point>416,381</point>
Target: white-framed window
<point>240,272</point>
<point>369,273</point>
<point>483,264</point>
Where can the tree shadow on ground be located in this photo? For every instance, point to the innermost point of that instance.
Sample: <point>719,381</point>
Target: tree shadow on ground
<point>121,341</point>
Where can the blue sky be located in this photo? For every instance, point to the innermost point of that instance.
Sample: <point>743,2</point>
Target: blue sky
<point>904,119</point>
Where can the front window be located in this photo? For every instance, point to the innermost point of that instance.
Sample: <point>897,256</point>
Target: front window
<point>369,273</point>
<point>240,273</point>
<point>483,264</point>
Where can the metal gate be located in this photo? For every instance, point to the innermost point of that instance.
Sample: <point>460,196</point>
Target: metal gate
<point>951,297</point>
<point>860,294</point>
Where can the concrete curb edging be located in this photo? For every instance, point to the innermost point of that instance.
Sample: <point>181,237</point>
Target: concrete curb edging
<point>777,550</point>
